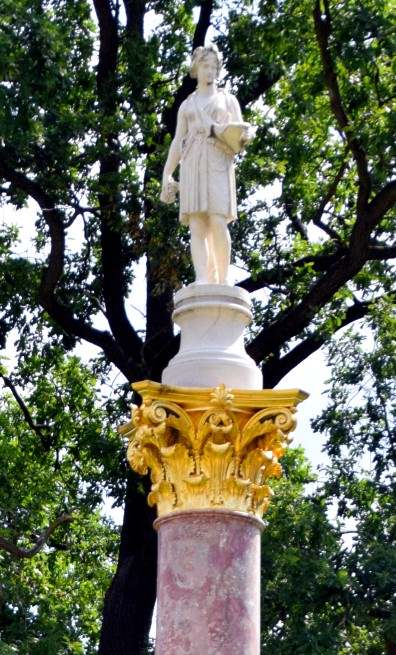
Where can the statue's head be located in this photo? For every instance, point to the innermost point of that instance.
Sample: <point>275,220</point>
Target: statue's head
<point>200,54</point>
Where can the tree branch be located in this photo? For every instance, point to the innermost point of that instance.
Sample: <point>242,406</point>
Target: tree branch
<point>24,183</point>
<point>276,368</point>
<point>292,321</point>
<point>280,275</point>
<point>323,32</point>
<point>54,270</point>
<point>107,22</point>
<point>111,238</point>
<point>187,86</point>
<point>294,220</point>
<point>203,23</point>
<point>332,188</point>
<point>382,203</point>
<point>20,553</point>
<point>261,84</point>
<point>368,220</point>
<point>36,427</point>
<point>382,252</point>
<point>135,10</point>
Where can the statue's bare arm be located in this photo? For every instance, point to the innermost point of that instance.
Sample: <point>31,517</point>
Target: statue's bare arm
<point>168,183</point>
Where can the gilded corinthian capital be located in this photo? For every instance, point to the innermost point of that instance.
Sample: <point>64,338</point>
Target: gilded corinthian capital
<point>208,448</point>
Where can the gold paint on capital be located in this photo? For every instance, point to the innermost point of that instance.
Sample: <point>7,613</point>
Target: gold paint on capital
<point>210,448</point>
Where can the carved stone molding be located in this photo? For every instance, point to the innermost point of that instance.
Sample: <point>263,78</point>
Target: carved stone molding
<point>209,448</point>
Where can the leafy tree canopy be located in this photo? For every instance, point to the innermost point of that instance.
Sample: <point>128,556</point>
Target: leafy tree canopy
<point>58,552</point>
<point>89,94</point>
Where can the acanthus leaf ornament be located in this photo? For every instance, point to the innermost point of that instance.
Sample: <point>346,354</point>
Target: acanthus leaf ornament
<point>208,448</point>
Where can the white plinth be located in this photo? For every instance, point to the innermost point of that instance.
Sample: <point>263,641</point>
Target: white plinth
<point>212,318</point>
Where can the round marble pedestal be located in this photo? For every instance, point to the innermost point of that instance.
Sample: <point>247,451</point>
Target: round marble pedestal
<point>208,590</point>
<point>212,318</point>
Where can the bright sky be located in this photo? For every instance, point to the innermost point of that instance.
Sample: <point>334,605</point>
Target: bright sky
<point>310,375</point>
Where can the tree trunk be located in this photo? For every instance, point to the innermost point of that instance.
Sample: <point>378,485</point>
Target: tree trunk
<point>390,647</point>
<point>130,599</point>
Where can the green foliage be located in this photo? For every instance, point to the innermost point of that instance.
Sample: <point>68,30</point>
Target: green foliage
<point>51,603</point>
<point>84,131</point>
<point>360,421</point>
<point>54,127</point>
<point>302,578</point>
<point>328,558</point>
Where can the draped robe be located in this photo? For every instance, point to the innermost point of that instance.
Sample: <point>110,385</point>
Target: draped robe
<point>207,176</point>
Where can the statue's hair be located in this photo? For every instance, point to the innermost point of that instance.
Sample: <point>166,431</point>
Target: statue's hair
<point>201,53</point>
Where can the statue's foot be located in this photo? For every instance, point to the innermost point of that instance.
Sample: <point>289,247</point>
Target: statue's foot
<point>198,282</point>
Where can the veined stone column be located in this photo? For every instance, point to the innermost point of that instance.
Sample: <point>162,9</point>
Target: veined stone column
<point>211,453</point>
<point>209,583</point>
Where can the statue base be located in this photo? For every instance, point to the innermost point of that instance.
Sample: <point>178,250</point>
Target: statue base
<point>212,318</point>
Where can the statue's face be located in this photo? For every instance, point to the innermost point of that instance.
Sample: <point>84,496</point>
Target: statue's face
<point>207,69</point>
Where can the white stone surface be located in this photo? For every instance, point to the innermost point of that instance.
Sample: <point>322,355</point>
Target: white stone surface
<point>212,318</point>
<point>210,130</point>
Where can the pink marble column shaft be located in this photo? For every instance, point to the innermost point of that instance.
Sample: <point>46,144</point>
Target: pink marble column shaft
<point>208,595</point>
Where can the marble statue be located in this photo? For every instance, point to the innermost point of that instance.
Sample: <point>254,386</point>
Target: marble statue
<point>210,131</point>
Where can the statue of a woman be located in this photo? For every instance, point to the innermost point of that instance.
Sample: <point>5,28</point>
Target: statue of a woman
<point>210,130</point>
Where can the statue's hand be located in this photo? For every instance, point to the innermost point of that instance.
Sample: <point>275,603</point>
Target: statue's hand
<point>169,190</point>
<point>248,134</point>
<point>216,129</point>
